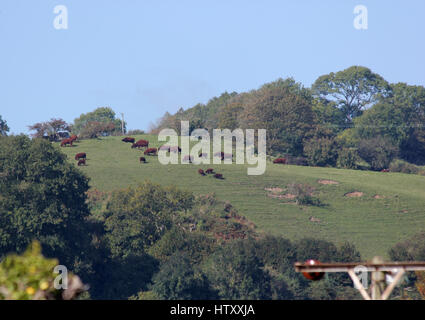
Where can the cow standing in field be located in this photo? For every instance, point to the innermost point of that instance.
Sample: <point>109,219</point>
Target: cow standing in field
<point>280,160</point>
<point>209,171</point>
<point>150,151</point>
<point>218,176</point>
<point>67,141</point>
<point>81,162</point>
<point>128,139</point>
<point>142,160</point>
<point>140,144</point>
<point>201,172</point>
<point>175,149</point>
<point>81,155</point>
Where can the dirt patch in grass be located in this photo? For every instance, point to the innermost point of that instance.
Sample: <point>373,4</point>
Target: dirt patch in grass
<point>377,196</point>
<point>354,194</point>
<point>313,219</point>
<point>327,182</point>
<point>274,190</point>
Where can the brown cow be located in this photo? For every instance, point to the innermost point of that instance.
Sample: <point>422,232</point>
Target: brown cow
<point>385,170</point>
<point>81,155</point>
<point>142,160</point>
<point>175,149</point>
<point>218,176</point>
<point>209,170</point>
<point>67,141</point>
<point>140,144</point>
<point>150,151</point>
<point>280,160</point>
<point>201,172</point>
<point>128,139</point>
<point>82,162</point>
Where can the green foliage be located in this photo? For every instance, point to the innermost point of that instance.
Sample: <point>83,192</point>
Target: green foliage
<point>4,129</point>
<point>404,167</point>
<point>321,152</point>
<point>196,246</point>
<point>101,118</point>
<point>378,152</point>
<point>137,217</point>
<point>178,280</point>
<point>347,158</point>
<point>352,89</point>
<point>42,197</point>
<point>236,272</point>
<point>412,249</point>
<point>287,117</point>
<point>27,276</point>
<point>303,194</point>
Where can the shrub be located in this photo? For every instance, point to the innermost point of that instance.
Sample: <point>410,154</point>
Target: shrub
<point>347,158</point>
<point>303,194</point>
<point>377,152</point>
<point>135,132</point>
<point>321,152</point>
<point>403,167</point>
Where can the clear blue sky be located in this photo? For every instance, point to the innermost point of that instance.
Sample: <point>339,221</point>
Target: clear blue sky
<point>147,57</point>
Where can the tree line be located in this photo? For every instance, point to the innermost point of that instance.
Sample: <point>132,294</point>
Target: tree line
<point>351,119</point>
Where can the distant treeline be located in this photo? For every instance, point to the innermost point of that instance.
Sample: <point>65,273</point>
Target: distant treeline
<point>344,119</point>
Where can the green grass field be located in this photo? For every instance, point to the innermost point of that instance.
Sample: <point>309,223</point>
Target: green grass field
<point>373,225</point>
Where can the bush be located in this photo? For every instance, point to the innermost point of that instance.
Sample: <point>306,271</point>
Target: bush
<point>403,167</point>
<point>377,152</point>
<point>321,152</point>
<point>347,159</point>
<point>303,194</point>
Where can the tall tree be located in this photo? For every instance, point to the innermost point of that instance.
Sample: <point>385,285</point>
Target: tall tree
<point>49,129</point>
<point>102,114</point>
<point>352,89</point>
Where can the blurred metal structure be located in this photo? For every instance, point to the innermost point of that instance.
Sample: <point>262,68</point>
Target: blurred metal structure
<point>382,272</point>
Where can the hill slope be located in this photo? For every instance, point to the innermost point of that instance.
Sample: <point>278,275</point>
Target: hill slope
<point>390,209</point>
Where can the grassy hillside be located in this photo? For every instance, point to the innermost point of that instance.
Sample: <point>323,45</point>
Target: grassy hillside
<point>391,208</point>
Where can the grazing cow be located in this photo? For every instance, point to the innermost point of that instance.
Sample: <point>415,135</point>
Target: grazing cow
<point>142,160</point>
<point>385,170</point>
<point>81,155</point>
<point>201,172</point>
<point>82,162</point>
<point>209,170</point>
<point>188,159</point>
<point>280,160</point>
<point>166,148</point>
<point>128,139</point>
<point>150,151</point>
<point>175,149</point>
<point>218,176</point>
<point>67,141</point>
<point>140,144</point>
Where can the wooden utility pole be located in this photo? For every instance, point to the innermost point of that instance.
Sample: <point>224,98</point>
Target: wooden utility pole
<point>379,269</point>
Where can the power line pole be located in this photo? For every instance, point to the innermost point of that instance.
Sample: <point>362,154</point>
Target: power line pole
<point>122,123</point>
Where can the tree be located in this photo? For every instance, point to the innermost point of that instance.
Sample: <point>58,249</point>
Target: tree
<point>178,280</point>
<point>4,129</point>
<point>378,152</point>
<point>321,152</point>
<point>102,115</point>
<point>43,198</point>
<point>137,217</point>
<point>352,89</point>
<point>236,272</point>
<point>94,129</point>
<point>49,129</point>
<point>287,116</point>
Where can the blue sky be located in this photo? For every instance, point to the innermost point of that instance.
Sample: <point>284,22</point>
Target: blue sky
<point>147,57</point>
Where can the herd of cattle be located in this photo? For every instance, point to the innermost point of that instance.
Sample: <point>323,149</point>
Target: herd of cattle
<point>176,149</point>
